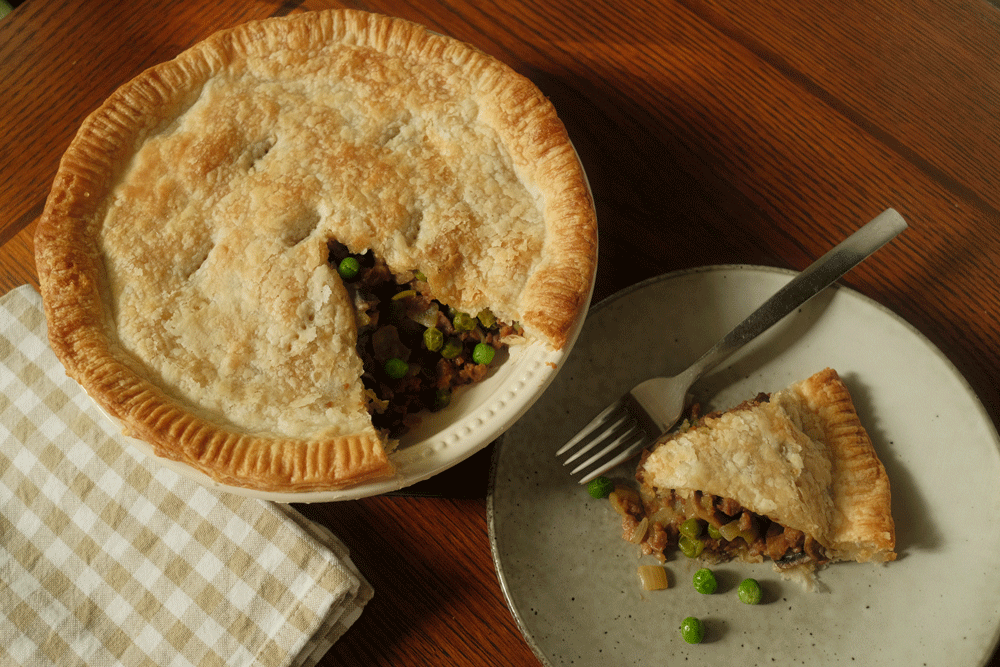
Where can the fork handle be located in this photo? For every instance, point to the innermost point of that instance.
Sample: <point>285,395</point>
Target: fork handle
<point>818,276</point>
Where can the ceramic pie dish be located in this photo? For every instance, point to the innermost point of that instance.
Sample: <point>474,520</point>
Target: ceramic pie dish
<point>184,254</point>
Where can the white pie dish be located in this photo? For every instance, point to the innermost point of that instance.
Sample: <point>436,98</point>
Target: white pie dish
<point>185,257</point>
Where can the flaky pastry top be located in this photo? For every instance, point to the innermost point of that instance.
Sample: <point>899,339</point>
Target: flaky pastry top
<point>183,251</point>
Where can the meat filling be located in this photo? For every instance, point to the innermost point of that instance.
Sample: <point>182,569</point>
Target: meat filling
<point>415,350</point>
<point>713,528</point>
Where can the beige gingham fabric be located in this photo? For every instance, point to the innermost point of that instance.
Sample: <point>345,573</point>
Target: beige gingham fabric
<point>107,558</point>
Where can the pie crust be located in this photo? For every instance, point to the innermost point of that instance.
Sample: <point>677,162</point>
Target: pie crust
<point>182,253</point>
<point>801,458</point>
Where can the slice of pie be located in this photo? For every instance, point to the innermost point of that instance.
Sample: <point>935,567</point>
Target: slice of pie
<point>185,251</point>
<point>791,476</point>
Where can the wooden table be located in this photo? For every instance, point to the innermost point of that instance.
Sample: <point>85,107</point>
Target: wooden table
<point>713,132</point>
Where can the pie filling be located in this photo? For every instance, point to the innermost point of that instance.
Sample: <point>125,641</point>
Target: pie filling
<point>415,350</point>
<point>712,528</point>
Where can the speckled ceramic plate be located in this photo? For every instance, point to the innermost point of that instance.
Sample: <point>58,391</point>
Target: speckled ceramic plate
<point>570,579</point>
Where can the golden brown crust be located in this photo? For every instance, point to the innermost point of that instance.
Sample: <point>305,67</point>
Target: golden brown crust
<point>181,251</point>
<point>802,459</point>
<point>862,529</point>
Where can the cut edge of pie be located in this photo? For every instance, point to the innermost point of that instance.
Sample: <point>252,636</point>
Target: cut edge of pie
<point>797,459</point>
<point>73,274</point>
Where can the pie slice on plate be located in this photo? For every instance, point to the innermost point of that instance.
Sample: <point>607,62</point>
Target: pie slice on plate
<point>184,253</point>
<point>791,476</point>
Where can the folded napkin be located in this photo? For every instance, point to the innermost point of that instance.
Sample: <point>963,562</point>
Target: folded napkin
<point>107,558</point>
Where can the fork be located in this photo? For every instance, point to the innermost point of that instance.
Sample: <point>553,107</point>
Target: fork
<point>652,408</point>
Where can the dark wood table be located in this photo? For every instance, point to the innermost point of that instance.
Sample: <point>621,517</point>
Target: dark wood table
<point>713,132</point>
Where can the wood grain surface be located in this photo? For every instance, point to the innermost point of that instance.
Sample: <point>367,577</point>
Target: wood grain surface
<point>712,131</point>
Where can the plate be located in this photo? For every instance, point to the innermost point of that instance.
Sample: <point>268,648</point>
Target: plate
<point>571,582</point>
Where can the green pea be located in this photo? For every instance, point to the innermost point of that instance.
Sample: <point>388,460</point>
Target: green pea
<point>483,354</point>
<point>442,397</point>
<point>713,532</point>
<point>451,349</point>
<point>349,268</point>
<point>487,318</point>
<point>690,546</point>
<point>433,339</point>
<point>463,322</point>
<point>692,630</point>
<point>600,487</point>
<point>419,275</point>
<point>396,368</point>
<point>749,591</point>
<point>692,528</point>
<point>704,581</point>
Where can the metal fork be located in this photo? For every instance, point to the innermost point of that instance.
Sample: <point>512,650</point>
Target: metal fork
<point>652,408</point>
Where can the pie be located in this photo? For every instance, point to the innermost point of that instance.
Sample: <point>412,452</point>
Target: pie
<point>791,476</point>
<point>184,253</point>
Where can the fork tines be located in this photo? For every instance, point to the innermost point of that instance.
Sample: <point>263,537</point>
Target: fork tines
<point>615,435</point>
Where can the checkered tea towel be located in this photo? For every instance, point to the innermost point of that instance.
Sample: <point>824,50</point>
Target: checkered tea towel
<point>107,558</point>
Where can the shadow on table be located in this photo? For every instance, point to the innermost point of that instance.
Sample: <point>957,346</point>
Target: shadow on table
<point>468,479</point>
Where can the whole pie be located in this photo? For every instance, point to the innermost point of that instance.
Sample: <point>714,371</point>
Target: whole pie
<point>186,250</point>
<point>790,476</point>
